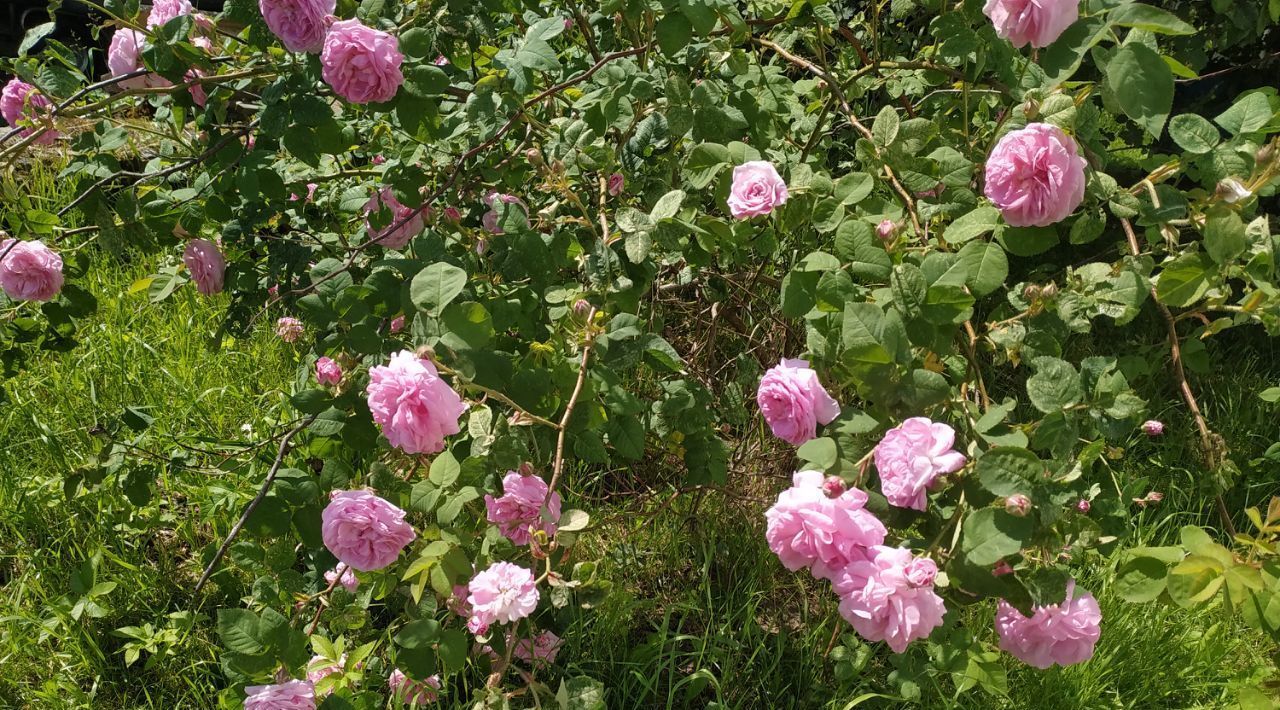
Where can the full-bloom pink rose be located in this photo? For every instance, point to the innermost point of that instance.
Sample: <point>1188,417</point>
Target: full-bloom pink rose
<point>162,11</point>
<point>504,593</point>
<point>890,597</point>
<point>1035,176</point>
<point>289,329</point>
<point>1059,633</point>
<point>540,650</point>
<point>757,189</point>
<point>298,23</point>
<point>806,528</point>
<point>360,63</point>
<point>364,531</point>
<point>416,408</point>
<point>290,695</point>
<point>411,692</point>
<point>517,513</point>
<point>124,56</point>
<point>29,271</point>
<point>1038,22</point>
<point>409,219</point>
<point>328,372</point>
<point>207,266</point>
<point>911,456</point>
<point>794,402</point>
<point>490,219</point>
<point>344,576</point>
<point>19,101</point>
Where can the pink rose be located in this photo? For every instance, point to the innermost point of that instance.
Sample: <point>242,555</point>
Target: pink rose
<point>412,692</point>
<point>364,531</point>
<point>1035,176</point>
<point>207,266</point>
<point>289,329</point>
<point>1083,506</point>
<point>452,214</point>
<point>1059,633</point>
<point>162,11</point>
<point>518,512</point>
<point>298,23</point>
<point>20,102</point>
<point>198,95</point>
<point>490,219</point>
<point>757,189</point>
<point>833,486</point>
<point>806,528</point>
<point>328,372</point>
<point>540,650</point>
<point>416,408</point>
<point>889,597</point>
<point>441,61</point>
<point>291,695</point>
<point>29,271</point>
<point>503,593</point>
<point>1152,428</point>
<point>911,456</point>
<point>409,220</point>
<point>616,184</point>
<point>886,229</point>
<point>344,576</point>
<point>397,324</point>
<point>1017,504</point>
<point>124,56</point>
<point>360,63</point>
<point>1038,22</point>
<point>319,668</point>
<point>794,402</point>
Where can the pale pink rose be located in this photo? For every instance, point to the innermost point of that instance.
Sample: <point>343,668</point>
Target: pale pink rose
<point>1153,428</point>
<point>124,56</point>
<point>806,528</point>
<point>328,372</point>
<point>162,11</point>
<point>757,189</point>
<point>457,601</point>
<point>206,264</point>
<point>319,668</point>
<point>1059,633</point>
<point>503,593</point>
<point>360,63</point>
<point>490,219</point>
<point>540,650</point>
<point>441,61</point>
<point>378,159</point>
<point>204,24</point>
<point>364,531</point>
<point>415,407</point>
<point>198,95</point>
<point>1035,176</point>
<point>20,102</point>
<point>1017,504</point>
<point>344,576</point>
<point>311,191</point>
<point>397,324</point>
<point>794,402</point>
<point>518,512</point>
<point>1083,506</point>
<point>889,597</point>
<point>29,271</point>
<point>1038,22</point>
<point>452,214</point>
<point>408,219</point>
<point>299,24</point>
<point>616,184</point>
<point>911,456</point>
<point>290,695</point>
<point>289,329</point>
<point>886,229</point>
<point>411,692</point>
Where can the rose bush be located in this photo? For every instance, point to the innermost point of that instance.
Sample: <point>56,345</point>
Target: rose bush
<point>495,201</point>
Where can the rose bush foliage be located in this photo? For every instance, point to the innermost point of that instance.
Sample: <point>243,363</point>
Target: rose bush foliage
<point>456,213</point>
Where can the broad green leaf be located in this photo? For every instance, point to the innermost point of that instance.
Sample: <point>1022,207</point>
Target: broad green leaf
<point>1151,19</point>
<point>885,127</point>
<point>1185,280</point>
<point>1142,85</point>
<point>857,244</point>
<point>1247,115</point>
<point>1006,470</point>
<point>991,534</point>
<point>972,224</point>
<point>1055,385</point>
<point>436,286</point>
<point>986,266</point>
<point>1224,237</point>
<point>1193,133</point>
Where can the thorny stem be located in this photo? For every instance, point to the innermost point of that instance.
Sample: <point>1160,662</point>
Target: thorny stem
<point>558,466</point>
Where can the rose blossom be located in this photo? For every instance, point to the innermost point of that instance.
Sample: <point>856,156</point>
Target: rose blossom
<point>540,650</point>
<point>503,593</point>
<point>490,219</point>
<point>1001,568</point>
<point>291,695</point>
<point>345,576</point>
<point>29,271</point>
<point>416,408</point>
<point>19,101</point>
<point>1152,427</point>
<point>757,189</point>
<point>298,23</point>
<point>328,372</point>
<point>1017,504</point>
<point>409,219</point>
<point>794,402</point>
<point>1038,22</point>
<point>833,486</point>
<point>1035,176</point>
<point>1232,191</point>
<point>886,229</point>
<point>517,513</point>
<point>162,11</point>
<point>616,184</point>
<point>889,597</point>
<point>1083,506</point>
<point>911,456</point>
<point>319,668</point>
<point>808,529</point>
<point>289,329</point>
<point>207,266</point>
<point>364,531</point>
<point>124,56</point>
<point>412,692</point>
<point>441,61</point>
<point>360,63</point>
<point>397,324</point>
<point>1059,633</point>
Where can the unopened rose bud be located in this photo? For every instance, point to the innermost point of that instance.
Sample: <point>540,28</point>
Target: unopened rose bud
<point>1083,506</point>
<point>1049,290</point>
<point>616,184</point>
<point>886,229</point>
<point>526,469</point>
<point>1232,191</point>
<point>425,352</point>
<point>1031,109</point>
<point>1030,292</point>
<point>1001,568</point>
<point>378,159</point>
<point>1152,427</point>
<point>1155,497</point>
<point>441,61</point>
<point>397,324</point>
<point>581,307</point>
<point>1017,504</point>
<point>833,486</point>
<point>1265,154</point>
<point>534,156</point>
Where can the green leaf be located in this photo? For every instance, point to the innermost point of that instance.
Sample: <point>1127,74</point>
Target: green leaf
<point>986,266</point>
<point>674,32</point>
<point>1061,59</point>
<point>452,648</point>
<point>1185,280</point>
<point>1224,237</point>
<point>1142,85</point>
<point>820,452</point>
<point>853,188</point>
<point>1055,385</point>
<point>705,162</point>
<point>34,35</point>
<point>1028,241</point>
<point>1151,19</point>
<point>885,128</point>
<point>667,206</point>
<point>422,633</point>
<point>1195,580</point>
<point>239,631</point>
<point>972,225</point>
<point>581,693</point>
<point>444,470</point>
<point>862,321</point>
<point>1142,577</point>
<point>700,14</point>
<point>991,534</point>
<point>536,52</point>
<point>1193,133</point>
<point>436,286</point>
<point>574,520</point>
<point>857,244</point>
<point>1006,470</point>
<point>1250,113</point>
